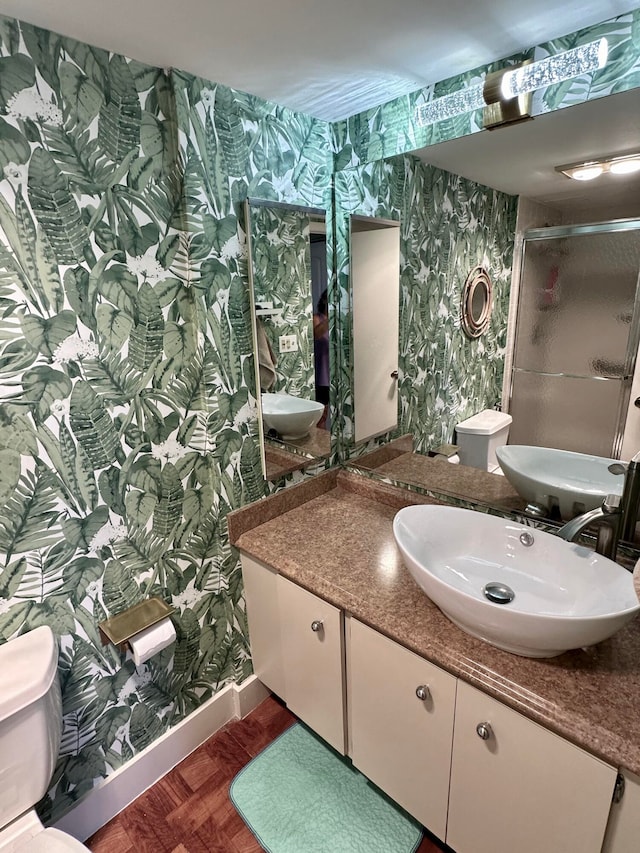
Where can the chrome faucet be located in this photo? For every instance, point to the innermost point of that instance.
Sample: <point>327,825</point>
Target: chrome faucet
<point>618,515</point>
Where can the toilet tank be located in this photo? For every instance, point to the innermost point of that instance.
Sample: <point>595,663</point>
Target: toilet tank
<point>478,437</point>
<point>30,720</point>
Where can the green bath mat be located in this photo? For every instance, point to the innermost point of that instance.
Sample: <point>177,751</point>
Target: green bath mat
<point>300,796</point>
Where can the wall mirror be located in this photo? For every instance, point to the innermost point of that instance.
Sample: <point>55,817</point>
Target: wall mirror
<point>476,302</point>
<point>519,161</point>
<point>288,281</point>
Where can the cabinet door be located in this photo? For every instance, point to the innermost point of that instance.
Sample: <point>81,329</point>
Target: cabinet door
<point>263,614</point>
<point>623,832</point>
<point>523,788</point>
<point>312,651</point>
<point>400,741</point>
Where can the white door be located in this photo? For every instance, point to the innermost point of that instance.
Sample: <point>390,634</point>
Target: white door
<point>375,284</point>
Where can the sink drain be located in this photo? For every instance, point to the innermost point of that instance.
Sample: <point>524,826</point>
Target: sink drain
<point>499,593</point>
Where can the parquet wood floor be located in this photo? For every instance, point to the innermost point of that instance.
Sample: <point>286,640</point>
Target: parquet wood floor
<point>189,810</point>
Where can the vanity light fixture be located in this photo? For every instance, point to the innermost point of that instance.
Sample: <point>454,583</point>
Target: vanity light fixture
<point>591,169</point>
<point>499,93</point>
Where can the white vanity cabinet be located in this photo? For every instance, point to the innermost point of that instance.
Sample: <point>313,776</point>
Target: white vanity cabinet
<point>400,723</point>
<point>297,648</point>
<point>517,786</point>
<point>479,775</point>
<point>263,614</point>
<point>312,633</point>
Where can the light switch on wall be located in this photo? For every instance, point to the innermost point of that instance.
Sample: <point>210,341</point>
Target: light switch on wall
<point>288,343</point>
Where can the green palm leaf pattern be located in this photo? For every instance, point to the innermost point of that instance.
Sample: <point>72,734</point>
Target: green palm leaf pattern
<point>119,589</point>
<point>228,124</point>
<point>56,209</point>
<point>28,520</point>
<point>92,425</point>
<point>146,339</point>
<point>120,116</point>
<point>168,512</point>
<point>144,726</point>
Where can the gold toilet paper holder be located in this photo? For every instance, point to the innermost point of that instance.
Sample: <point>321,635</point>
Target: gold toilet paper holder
<point>120,628</point>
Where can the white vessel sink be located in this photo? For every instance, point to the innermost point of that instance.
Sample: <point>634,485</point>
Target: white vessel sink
<point>564,595</point>
<point>291,417</point>
<point>575,482</point>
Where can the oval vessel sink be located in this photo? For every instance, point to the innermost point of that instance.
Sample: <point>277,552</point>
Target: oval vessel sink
<point>520,589</point>
<point>291,417</point>
<point>574,482</point>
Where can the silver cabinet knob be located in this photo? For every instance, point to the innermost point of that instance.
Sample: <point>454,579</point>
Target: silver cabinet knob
<point>317,626</point>
<point>423,692</point>
<point>484,730</point>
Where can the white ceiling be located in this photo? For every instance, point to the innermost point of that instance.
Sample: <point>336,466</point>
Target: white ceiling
<point>328,58</point>
<point>335,58</point>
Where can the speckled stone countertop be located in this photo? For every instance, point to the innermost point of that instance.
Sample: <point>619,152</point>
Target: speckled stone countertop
<point>333,535</point>
<point>438,476</point>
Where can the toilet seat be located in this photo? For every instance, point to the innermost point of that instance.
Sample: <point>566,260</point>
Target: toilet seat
<point>52,841</point>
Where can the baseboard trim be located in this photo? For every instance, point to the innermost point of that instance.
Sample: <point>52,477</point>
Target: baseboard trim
<point>122,787</point>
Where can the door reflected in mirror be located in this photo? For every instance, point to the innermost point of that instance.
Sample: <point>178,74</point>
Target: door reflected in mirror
<point>290,321</point>
<point>375,297</point>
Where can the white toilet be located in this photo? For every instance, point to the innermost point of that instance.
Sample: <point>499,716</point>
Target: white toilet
<point>30,732</point>
<point>478,437</point>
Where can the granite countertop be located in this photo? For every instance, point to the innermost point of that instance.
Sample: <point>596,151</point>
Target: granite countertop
<point>333,535</point>
<point>439,476</point>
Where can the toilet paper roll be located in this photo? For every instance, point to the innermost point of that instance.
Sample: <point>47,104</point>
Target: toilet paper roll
<point>152,640</point>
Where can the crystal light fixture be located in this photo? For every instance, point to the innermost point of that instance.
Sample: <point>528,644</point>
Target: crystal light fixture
<point>516,82</point>
<point>555,69</point>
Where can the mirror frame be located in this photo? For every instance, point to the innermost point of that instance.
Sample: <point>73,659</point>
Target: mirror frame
<point>477,282</point>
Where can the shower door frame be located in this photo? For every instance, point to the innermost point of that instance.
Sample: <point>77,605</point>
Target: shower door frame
<point>532,235</point>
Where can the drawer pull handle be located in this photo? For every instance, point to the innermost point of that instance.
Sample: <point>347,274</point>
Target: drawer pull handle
<point>484,730</point>
<point>423,693</point>
<point>317,626</point>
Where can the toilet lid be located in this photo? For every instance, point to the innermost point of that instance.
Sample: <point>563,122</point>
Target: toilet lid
<point>53,841</point>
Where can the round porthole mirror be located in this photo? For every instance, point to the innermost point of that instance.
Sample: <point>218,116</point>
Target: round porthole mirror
<point>477,302</point>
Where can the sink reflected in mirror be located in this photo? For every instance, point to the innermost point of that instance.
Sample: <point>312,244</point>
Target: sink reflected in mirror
<point>562,483</point>
<point>515,587</point>
<point>290,417</point>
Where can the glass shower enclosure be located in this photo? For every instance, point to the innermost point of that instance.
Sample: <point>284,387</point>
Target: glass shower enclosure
<point>577,333</point>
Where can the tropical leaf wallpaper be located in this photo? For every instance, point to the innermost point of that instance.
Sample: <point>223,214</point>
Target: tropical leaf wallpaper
<point>127,389</point>
<point>126,370</point>
<point>281,265</point>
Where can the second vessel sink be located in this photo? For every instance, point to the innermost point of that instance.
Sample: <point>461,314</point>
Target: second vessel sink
<point>572,482</point>
<point>520,589</point>
<point>291,417</point>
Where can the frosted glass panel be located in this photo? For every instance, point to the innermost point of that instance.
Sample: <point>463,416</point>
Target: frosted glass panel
<point>564,412</point>
<point>576,303</point>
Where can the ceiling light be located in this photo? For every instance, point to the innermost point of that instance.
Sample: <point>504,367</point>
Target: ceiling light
<point>625,165</point>
<point>587,171</point>
<point>504,86</point>
<point>555,69</point>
